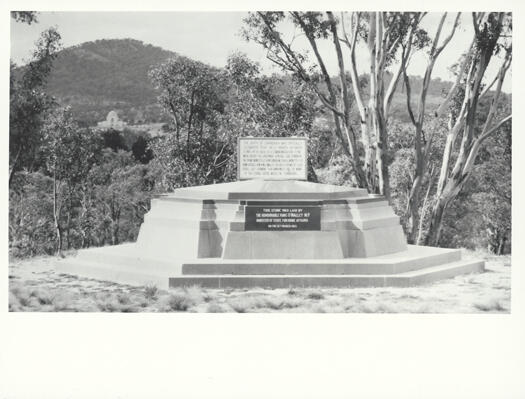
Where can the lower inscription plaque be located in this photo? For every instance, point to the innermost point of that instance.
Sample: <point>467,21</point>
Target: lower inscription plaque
<point>282,217</point>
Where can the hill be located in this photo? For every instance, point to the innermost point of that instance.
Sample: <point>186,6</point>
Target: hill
<point>112,74</point>
<point>96,77</point>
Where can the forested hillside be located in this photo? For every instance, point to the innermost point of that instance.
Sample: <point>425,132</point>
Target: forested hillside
<point>97,77</point>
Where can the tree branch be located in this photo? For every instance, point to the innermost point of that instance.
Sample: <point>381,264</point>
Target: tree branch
<point>449,37</point>
<point>405,54</point>
<point>457,82</point>
<point>408,96</point>
<point>494,128</point>
<point>320,61</point>
<point>358,95</point>
<point>296,65</point>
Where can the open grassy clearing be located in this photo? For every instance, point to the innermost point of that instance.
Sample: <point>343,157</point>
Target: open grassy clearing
<point>35,287</point>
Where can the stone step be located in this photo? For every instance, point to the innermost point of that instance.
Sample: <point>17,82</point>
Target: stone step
<point>125,255</point>
<point>123,264</point>
<point>129,256</point>
<point>378,265</point>
<point>423,276</point>
<point>114,273</point>
<point>164,278</point>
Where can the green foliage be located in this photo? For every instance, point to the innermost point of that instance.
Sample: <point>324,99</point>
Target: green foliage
<point>273,106</point>
<point>194,95</point>
<point>208,118</point>
<point>480,217</point>
<point>399,24</point>
<point>29,102</point>
<point>178,163</point>
<point>67,149</point>
<point>114,139</point>
<point>31,215</point>
<point>27,17</point>
<point>68,154</point>
<point>117,194</point>
<point>94,195</point>
<point>141,151</point>
<point>190,91</point>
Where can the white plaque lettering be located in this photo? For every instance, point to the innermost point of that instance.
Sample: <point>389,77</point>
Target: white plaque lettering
<point>272,158</point>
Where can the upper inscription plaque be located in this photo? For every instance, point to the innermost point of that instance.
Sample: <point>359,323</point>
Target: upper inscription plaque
<point>272,158</point>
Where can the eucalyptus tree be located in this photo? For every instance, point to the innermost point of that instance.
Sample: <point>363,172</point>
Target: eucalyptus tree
<point>191,92</point>
<point>29,102</point>
<point>69,153</point>
<point>390,37</point>
<point>195,96</point>
<point>423,138</point>
<point>467,129</point>
<point>211,107</point>
<point>268,106</point>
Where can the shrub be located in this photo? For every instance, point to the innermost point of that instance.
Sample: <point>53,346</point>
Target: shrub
<point>151,292</point>
<point>179,302</point>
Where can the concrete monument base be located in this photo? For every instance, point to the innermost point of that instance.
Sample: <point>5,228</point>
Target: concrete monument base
<point>278,234</point>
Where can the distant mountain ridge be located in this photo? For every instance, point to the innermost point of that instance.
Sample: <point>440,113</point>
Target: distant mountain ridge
<point>110,74</point>
<point>97,77</point>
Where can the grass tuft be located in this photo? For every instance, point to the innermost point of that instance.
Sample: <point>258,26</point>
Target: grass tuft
<point>491,305</point>
<point>123,299</point>
<point>216,308</point>
<point>179,302</point>
<point>315,295</point>
<point>151,292</point>
<point>238,306</point>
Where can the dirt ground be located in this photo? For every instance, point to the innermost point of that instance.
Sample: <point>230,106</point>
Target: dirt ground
<point>35,287</point>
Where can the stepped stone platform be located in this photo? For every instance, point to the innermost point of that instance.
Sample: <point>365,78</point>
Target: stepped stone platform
<point>259,233</point>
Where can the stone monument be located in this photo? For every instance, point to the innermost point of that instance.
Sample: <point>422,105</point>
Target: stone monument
<point>271,228</point>
<point>112,122</point>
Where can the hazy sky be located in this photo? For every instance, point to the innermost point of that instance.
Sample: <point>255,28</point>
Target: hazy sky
<point>210,36</point>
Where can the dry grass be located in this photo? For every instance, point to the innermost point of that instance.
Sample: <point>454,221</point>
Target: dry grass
<point>35,287</point>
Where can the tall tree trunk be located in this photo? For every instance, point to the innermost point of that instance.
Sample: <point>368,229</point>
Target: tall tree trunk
<point>453,186</point>
<point>376,140</point>
<point>413,210</point>
<point>424,209</point>
<point>422,146</point>
<point>14,165</point>
<point>436,223</point>
<point>190,120</point>
<point>501,246</point>
<point>56,216</point>
<point>371,138</point>
<point>451,182</point>
<point>68,228</point>
<point>68,222</point>
<point>114,233</point>
<point>115,222</point>
<point>353,150</point>
<point>382,157</point>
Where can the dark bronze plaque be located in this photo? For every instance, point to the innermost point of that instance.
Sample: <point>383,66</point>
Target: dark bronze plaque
<point>282,217</point>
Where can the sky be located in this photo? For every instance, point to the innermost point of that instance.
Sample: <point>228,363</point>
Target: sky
<point>211,37</point>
